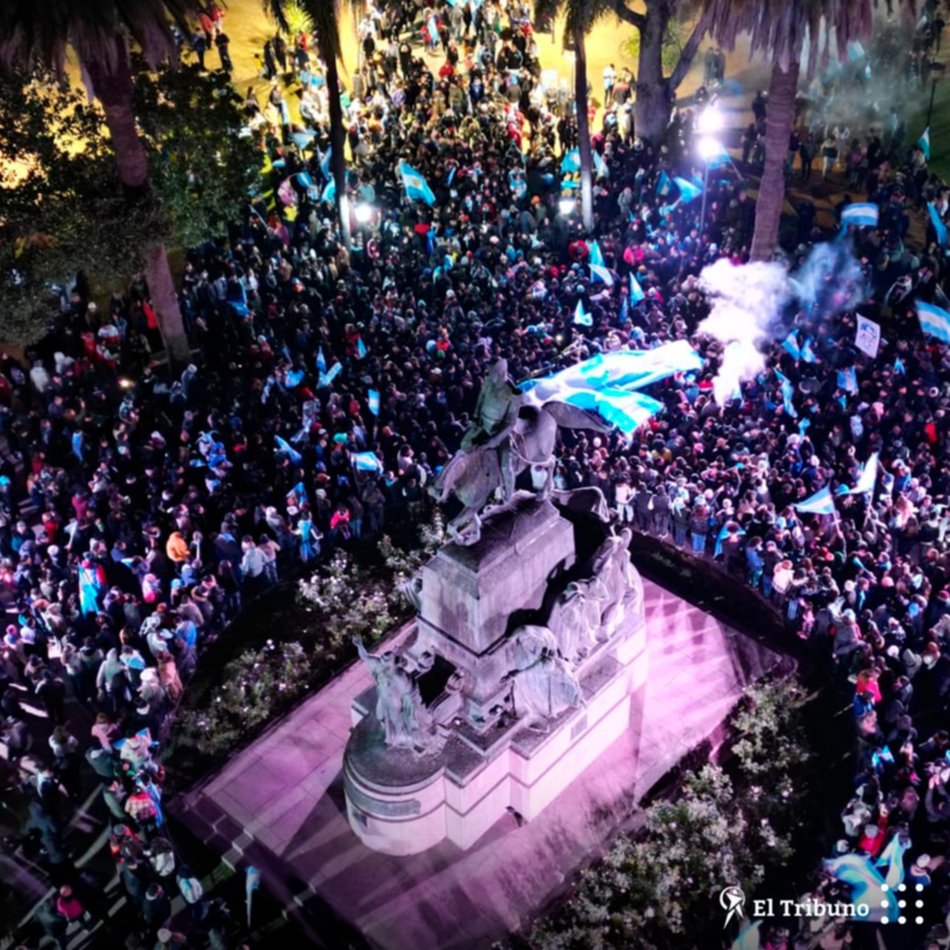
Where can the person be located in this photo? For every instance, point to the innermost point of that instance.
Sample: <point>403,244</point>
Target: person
<point>191,890</point>
<point>222,42</point>
<point>52,692</point>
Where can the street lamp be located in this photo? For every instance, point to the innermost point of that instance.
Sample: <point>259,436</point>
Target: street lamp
<point>708,123</point>
<point>566,206</point>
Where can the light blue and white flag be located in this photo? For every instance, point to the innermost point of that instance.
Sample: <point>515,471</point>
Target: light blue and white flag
<point>329,192</point>
<point>372,401</point>
<point>808,354</point>
<point>689,191</point>
<point>788,394</point>
<point>581,317</point>
<point>899,366</point>
<point>939,227</point>
<point>304,179</point>
<point>417,188</point>
<point>327,378</point>
<point>924,143</point>
<point>321,361</point>
<point>934,321</point>
<point>862,214</point>
<point>600,166</point>
<point>325,160</point>
<point>360,348</point>
<point>599,273</point>
<point>790,345</point>
<point>571,163</point>
<point>663,184</point>
<point>750,938</point>
<point>867,886</point>
<point>626,370</point>
<point>867,478</point>
<point>636,291</point>
<point>891,861</point>
<point>821,503</point>
<point>596,254</point>
<point>848,380</point>
<point>366,462</point>
<point>284,446</point>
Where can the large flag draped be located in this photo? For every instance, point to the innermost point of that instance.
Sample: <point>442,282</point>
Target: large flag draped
<point>606,384</point>
<point>934,321</point>
<point>867,886</point>
<point>417,188</point>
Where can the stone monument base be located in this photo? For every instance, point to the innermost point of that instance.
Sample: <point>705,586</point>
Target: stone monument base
<point>459,793</point>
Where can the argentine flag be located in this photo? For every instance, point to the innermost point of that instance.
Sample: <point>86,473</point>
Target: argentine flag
<point>808,354</point>
<point>321,361</point>
<point>372,401</point>
<point>867,886</point>
<point>600,166</point>
<point>366,462</point>
<point>790,345</point>
<point>663,184</point>
<point>636,291</point>
<point>867,478</point>
<point>626,370</point>
<point>571,163</point>
<point>934,321</point>
<point>602,274</point>
<point>596,255</point>
<point>417,188</point>
<point>325,162</point>
<point>821,503</point>
<point>284,446</point>
<point>581,317</point>
<point>924,143</point>
<point>862,214</point>
<point>689,191</point>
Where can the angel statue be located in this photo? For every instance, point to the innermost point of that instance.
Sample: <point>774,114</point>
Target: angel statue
<point>405,721</point>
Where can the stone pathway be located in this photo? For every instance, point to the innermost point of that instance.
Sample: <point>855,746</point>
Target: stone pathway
<point>280,803</point>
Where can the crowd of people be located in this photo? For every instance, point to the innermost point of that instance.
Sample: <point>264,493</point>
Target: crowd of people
<point>330,384</point>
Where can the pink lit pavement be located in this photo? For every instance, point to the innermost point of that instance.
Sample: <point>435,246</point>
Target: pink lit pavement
<point>279,804</point>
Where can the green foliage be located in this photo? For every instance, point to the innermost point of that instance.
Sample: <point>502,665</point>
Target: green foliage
<point>254,688</point>
<point>659,888</point>
<point>404,562</point>
<point>61,208</point>
<point>351,601</point>
<point>676,33</point>
<point>202,166</point>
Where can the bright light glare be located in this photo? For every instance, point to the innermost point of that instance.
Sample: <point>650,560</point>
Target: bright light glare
<point>363,213</point>
<point>707,147</point>
<point>566,206</point>
<point>709,121</point>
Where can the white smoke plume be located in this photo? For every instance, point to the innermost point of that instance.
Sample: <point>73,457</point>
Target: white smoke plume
<point>746,311</point>
<point>748,303</point>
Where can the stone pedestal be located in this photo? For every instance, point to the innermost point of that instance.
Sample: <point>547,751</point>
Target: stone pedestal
<point>401,802</point>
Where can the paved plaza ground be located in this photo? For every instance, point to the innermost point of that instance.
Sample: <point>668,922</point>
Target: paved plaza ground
<point>280,805</point>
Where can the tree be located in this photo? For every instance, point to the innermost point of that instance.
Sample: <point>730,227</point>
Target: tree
<point>61,205</point>
<point>656,93</point>
<point>778,30</point>
<point>579,18</point>
<point>325,16</point>
<point>37,35</point>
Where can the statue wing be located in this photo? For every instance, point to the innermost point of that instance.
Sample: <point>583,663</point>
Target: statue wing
<point>571,417</point>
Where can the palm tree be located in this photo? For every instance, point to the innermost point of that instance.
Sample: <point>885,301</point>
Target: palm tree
<point>779,30</point>
<point>325,16</point>
<point>579,18</point>
<point>37,34</point>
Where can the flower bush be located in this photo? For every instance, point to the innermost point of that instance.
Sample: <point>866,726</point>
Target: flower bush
<point>659,888</point>
<point>254,688</point>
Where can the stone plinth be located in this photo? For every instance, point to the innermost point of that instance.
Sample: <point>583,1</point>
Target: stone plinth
<point>469,593</point>
<point>400,806</point>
